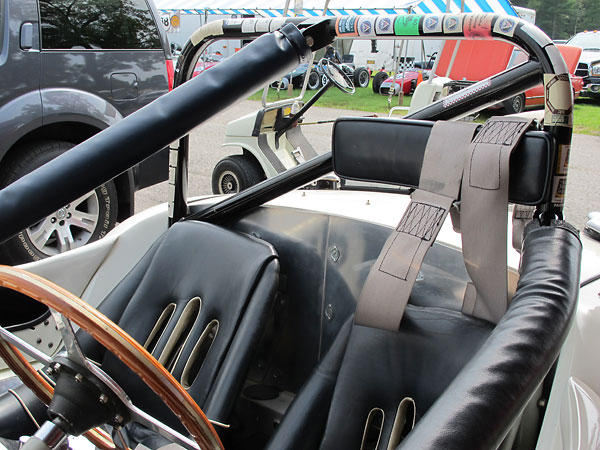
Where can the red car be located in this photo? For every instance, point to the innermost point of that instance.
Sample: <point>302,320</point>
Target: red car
<point>410,80</point>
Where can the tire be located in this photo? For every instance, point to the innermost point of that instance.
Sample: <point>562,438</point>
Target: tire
<point>84,220</point>
<point>281,84</point>
<point>361,77</point>
<point>377,80</point>
<point>514,105</point>
<point>235,173</point>
<point>314,81</point>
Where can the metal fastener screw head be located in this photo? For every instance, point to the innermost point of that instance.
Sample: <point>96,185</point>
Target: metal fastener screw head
<point>78,378</point>
<point>310,41</point>
<point>329,311</point>
<point>56,367</point>
<point>103,399</point>
<point>334,253</point>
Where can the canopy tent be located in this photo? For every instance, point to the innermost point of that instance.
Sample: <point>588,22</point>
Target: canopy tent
<point>309,8</point>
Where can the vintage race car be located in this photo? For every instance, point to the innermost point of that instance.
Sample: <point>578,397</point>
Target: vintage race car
<point>317,79</point>
<point>406,81</point>
<point>278,318</point>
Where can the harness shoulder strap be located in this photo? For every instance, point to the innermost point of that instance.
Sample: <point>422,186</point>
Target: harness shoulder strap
<point>483,211</point>
<point>390,280</point>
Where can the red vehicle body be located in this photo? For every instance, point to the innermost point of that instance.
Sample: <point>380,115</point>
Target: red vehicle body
<point>207,62</point>
<point>412,77</point>
<point>476,60</point>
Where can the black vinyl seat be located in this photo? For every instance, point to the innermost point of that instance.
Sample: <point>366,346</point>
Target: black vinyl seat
<point>469,378</point>
<point>198,300</point>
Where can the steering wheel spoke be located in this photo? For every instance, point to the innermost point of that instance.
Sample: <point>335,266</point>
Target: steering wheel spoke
<point>70,340</point>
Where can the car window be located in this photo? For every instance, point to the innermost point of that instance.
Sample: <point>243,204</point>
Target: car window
<point>98,24</point>
<point>586,41</point>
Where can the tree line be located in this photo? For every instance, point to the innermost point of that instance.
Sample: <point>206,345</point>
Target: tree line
<point>561,19</point>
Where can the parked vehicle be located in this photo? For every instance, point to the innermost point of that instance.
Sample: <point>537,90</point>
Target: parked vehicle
<point>207,61</point>
<point>349,319</point>
<point>360,76</point>
<point>407,81</point>
<point>65,77</point>
<point>278,150</point>
<point>589,62</point>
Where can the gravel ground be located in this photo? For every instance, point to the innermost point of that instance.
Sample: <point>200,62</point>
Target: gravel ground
<point>583,187</point>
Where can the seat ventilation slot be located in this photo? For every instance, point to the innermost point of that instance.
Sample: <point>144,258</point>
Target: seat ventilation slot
<point>198,356</point>
<point>403,423</point>
<point>159,328</point>
<point>170,354</point>
<point>373,427</point>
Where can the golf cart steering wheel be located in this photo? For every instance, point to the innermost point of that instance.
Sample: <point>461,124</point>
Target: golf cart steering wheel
<point>336,75</point>
<point>108,395</point>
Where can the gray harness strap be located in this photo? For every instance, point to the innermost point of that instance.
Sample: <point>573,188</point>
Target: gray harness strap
<point>484,204</point>
<point>389,282</point>
<point>298,140</point>
<point>269,153</point>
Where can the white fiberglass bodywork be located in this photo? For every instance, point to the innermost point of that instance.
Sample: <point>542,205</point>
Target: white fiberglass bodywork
<point>572,418</point>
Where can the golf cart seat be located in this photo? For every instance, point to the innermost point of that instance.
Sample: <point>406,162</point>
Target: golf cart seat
<point>462,381</point>
<point>198,301</point>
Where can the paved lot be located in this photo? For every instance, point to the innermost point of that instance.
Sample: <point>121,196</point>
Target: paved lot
<point>583,188</point>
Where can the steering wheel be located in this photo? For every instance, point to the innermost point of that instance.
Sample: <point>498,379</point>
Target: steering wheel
<point>336,75</point>
<point>71,308</point>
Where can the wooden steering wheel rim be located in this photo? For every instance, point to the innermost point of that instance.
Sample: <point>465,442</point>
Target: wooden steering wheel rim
<point>115,340</point>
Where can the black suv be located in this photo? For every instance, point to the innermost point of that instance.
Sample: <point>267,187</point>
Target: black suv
<point>68,69</point>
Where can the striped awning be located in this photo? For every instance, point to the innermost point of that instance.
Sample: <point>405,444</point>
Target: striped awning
<point>310,8</point>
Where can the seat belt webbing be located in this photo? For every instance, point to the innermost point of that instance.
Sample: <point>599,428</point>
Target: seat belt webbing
<point>483,216</point>
<point>389,283</point>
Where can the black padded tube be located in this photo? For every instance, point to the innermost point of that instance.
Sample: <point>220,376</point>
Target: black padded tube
<point>478,408</point>
<point>146,131</point>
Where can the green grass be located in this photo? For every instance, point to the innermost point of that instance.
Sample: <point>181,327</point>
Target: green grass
<point>363,99</point>
<point>586,115</point>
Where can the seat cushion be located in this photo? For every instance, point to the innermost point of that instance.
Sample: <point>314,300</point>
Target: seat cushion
<point>378,369</point>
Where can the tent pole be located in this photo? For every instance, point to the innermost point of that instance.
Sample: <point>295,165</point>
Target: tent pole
<point>325,7</point>
<point>451,63</point>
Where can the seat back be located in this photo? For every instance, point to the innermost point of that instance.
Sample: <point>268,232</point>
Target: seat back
<point>197,301</point>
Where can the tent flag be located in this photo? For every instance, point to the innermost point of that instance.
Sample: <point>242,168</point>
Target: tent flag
<point>224,7</point>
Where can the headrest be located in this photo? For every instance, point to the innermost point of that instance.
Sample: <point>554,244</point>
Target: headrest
<point>391,151</point>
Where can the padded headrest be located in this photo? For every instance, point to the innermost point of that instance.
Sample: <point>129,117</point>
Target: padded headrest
<point>391,151</point>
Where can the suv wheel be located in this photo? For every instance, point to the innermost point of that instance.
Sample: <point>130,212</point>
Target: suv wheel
<point>84,220</point>
<point>236,173</point>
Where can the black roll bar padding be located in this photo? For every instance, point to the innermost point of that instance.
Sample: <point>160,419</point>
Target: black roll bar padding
<point>481,404</point>
<point>138,136</point>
